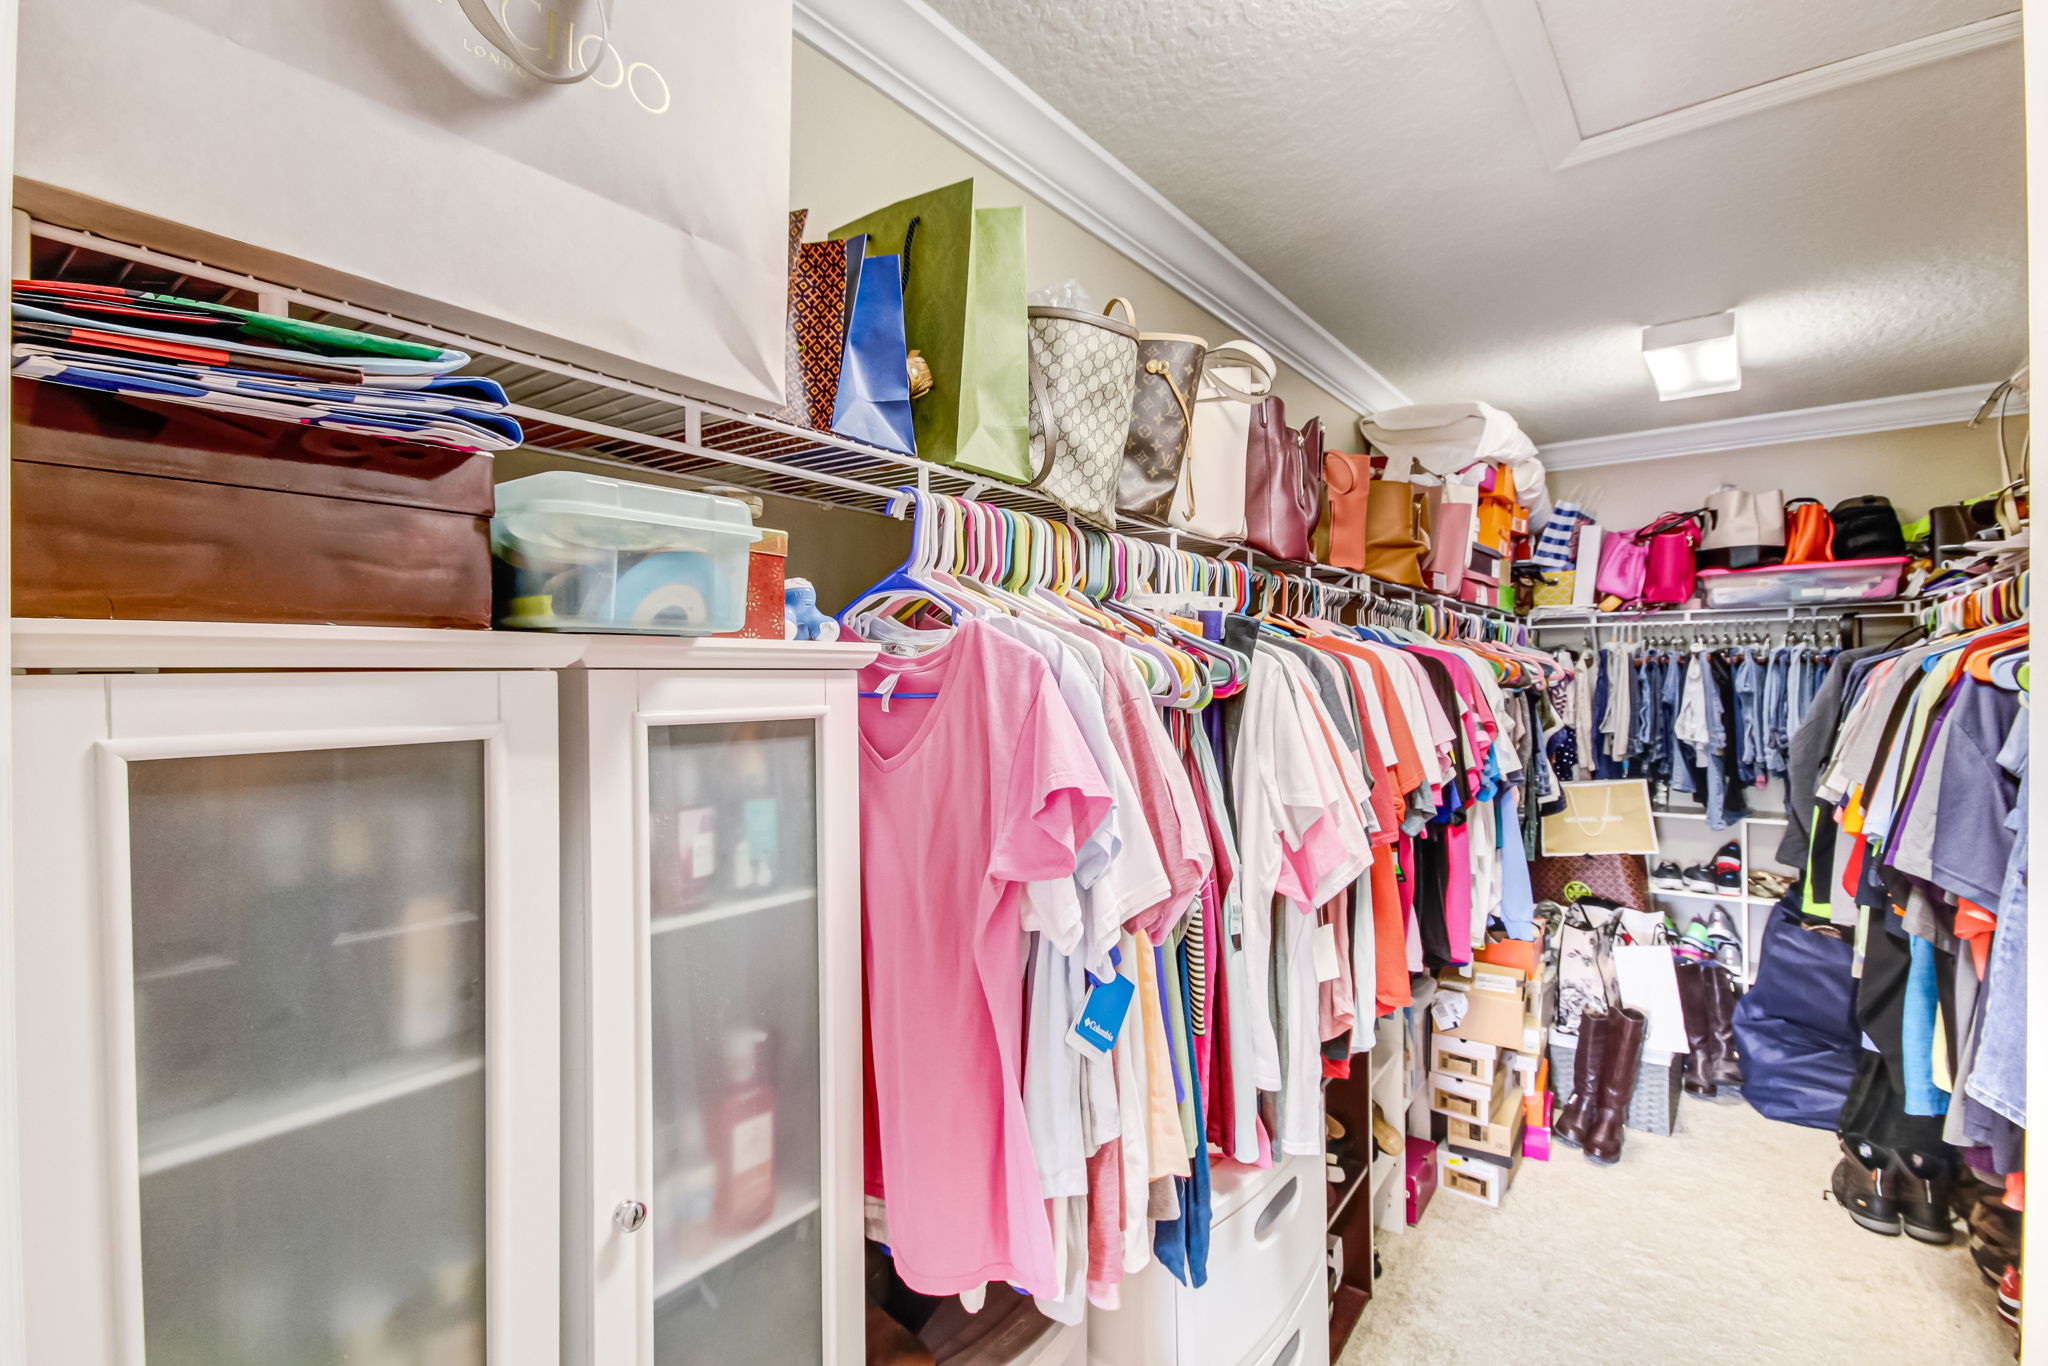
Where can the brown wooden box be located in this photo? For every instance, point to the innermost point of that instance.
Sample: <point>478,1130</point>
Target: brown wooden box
<point>135,510</point>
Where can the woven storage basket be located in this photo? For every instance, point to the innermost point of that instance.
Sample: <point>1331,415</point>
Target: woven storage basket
<point>1652,1107</point>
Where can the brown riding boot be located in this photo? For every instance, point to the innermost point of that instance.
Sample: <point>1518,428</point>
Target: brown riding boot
<point>1615,1086</point>
<point>1578,1111</point>
<point>1693,989</point>
<point>1723,1069</point>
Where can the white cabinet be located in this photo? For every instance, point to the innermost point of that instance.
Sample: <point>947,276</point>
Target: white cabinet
<point>712,1005</point>
<point>287,971</point>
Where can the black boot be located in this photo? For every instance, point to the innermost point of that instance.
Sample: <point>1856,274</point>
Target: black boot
<point>1918,1186</point>
<point>1592,1047</point>
<point>1858,1190</point>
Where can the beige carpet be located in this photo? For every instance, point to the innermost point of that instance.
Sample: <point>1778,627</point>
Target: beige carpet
<point>1714,1245</point>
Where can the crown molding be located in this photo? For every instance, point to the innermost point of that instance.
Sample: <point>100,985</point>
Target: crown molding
<point>907,51</point>
<point>1532,62</point>
<point>1931,409</point>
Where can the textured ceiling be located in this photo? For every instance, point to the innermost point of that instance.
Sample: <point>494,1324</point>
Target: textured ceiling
<point>1627,60</point>
<point>1373,160</point>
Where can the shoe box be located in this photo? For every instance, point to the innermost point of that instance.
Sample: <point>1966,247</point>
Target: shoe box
<point>1463,1098</point>
<point>1497,1006</point>
<point>1476,1178</point>
<point>1480,1062</point>
<point>1498,1137</point>
<point>1537,1107</point>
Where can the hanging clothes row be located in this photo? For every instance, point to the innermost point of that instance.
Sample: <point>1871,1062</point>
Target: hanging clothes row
<point>1149,842</point>
<point>1912,763</point>
<point>1711,721</point>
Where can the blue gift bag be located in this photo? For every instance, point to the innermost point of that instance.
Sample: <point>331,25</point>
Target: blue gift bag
<point>874,371</point>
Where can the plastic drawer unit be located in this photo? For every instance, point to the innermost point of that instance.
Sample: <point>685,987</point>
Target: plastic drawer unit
<point>1266,1284</point>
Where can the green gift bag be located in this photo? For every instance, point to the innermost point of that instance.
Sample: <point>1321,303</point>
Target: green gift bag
<point>964,311</point>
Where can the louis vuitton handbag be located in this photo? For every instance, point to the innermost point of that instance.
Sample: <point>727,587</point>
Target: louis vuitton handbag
<point>1162,413</point>
<point>1084,372</point>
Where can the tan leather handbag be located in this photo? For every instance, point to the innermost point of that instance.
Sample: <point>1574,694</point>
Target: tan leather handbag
<point>1394,540</point>
<point>1347,481</point>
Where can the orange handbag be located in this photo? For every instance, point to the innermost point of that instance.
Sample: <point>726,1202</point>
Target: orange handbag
<point>1809,532</point>
<point>1348,481</point>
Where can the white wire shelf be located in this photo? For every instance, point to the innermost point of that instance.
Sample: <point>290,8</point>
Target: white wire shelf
<point>581,414</point>
<point>1673,616</point>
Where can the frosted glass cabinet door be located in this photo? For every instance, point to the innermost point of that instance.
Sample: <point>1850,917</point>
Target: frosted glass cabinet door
<point>733,966</point>
<point>712,962</point>
<point>308,947</point>
<point>305,936</point>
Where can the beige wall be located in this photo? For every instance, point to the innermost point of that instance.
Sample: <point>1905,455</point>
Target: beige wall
<point>1917,468</point>
<point>853,150</point>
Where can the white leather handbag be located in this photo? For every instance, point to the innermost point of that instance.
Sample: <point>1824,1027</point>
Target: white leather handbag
<point>1210,498</point>
<point>1744,530</point>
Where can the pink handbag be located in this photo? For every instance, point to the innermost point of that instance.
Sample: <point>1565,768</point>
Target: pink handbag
<point>1671,561</point>
<point>1623,561</point>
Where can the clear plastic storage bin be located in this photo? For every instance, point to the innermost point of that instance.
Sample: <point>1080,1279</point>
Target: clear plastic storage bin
<point>1793,585</point>
<point>575,552</point>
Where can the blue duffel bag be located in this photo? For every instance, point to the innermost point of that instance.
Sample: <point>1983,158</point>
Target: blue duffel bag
<point>1796,1028</point>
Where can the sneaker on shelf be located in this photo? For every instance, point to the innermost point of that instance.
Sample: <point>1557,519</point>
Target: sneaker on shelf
<point>2009,1295</point>
<point>1697,943</point>
<point>1728,953</point>
<point>1726,869</point>
<point>1699,877</point>
<point>1668,877</point>
<point>1721,925</point>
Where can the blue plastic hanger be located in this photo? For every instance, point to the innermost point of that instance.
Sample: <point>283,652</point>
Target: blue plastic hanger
<point>906,579</point>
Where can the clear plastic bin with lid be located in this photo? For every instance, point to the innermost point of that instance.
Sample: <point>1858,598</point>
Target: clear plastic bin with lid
<point>577,552</point>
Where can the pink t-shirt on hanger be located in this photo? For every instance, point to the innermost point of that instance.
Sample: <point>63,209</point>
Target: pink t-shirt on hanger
<point>964,798</point>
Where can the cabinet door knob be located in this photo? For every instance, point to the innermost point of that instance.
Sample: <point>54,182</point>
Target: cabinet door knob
<point>631,1215</point>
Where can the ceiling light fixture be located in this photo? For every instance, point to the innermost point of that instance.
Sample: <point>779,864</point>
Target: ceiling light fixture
<point>1695,357</point>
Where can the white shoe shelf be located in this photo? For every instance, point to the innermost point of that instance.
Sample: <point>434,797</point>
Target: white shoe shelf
<point>1755,837</point>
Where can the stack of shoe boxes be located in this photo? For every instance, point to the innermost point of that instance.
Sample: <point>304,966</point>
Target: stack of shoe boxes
<point>1486,1082</point>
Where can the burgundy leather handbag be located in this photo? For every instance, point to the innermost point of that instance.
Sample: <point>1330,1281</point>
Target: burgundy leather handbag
<point>1283,483</point>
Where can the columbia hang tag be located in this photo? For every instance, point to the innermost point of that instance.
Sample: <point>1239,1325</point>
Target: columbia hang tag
<point>1102,1016</point>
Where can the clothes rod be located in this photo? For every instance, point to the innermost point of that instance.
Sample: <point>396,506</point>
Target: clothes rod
<point>1814,611</point>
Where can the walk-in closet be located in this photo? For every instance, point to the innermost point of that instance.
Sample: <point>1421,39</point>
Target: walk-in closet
<point>937,683</point>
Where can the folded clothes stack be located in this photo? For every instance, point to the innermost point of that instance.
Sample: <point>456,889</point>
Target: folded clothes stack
<point>155,346</point>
